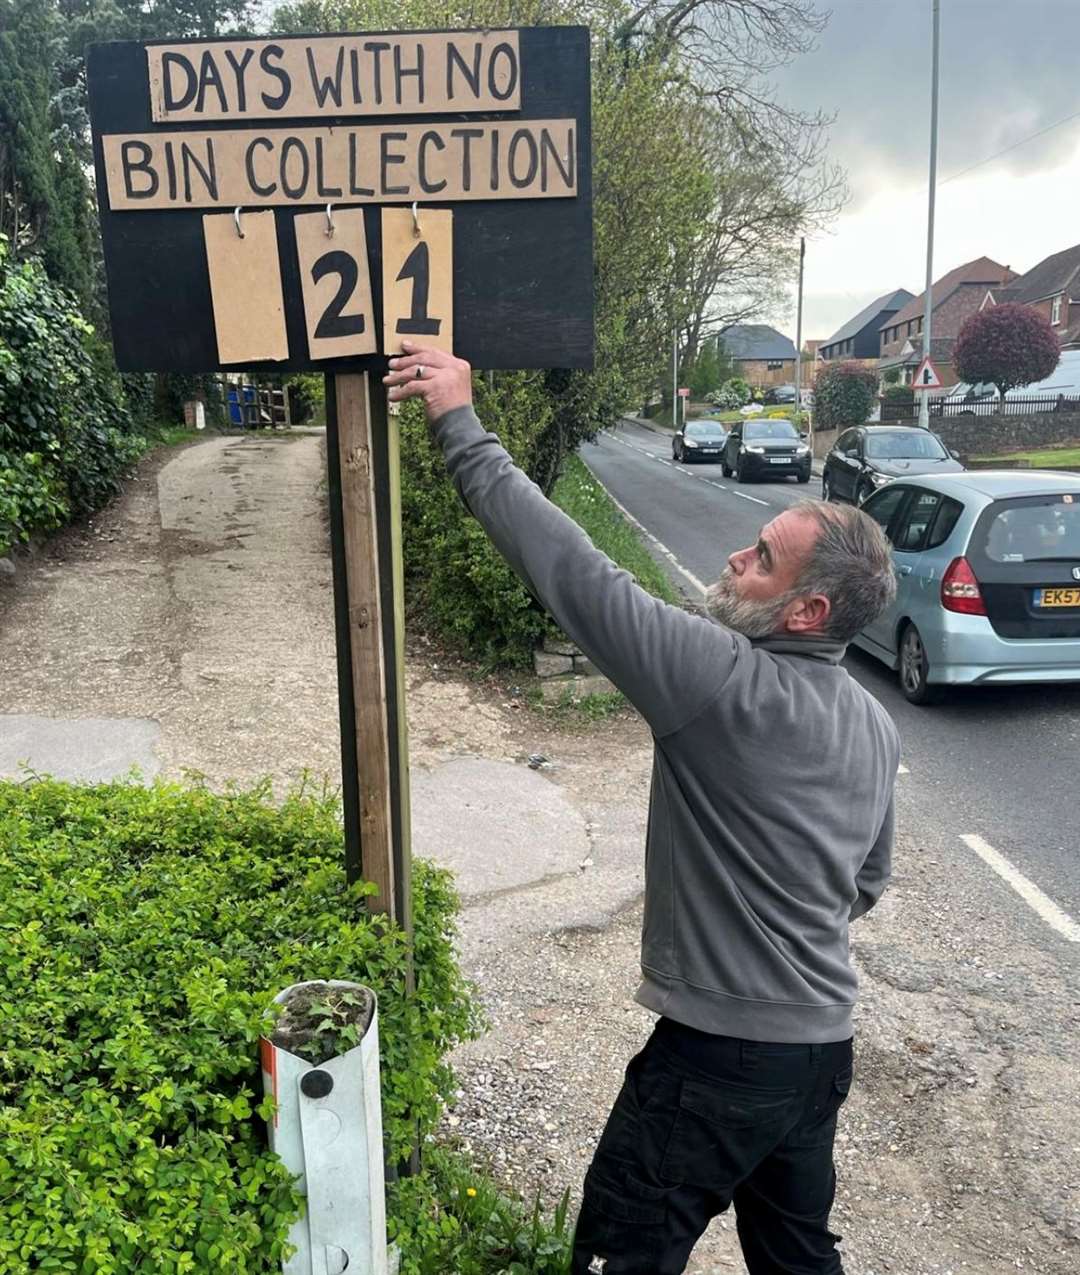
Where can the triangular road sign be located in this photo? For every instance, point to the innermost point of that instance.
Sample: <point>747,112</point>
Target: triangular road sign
<point>926,378</point>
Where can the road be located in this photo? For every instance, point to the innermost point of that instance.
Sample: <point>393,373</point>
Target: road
<point>997,764</point>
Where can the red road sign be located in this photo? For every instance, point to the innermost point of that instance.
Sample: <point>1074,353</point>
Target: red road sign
<point>926,378</point>
<point>684,392</point>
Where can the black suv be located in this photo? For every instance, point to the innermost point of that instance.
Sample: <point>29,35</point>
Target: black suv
<point>868,457</point>
<point>766,448</point>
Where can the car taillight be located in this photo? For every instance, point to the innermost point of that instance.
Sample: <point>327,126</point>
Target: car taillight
<point>960,590</point>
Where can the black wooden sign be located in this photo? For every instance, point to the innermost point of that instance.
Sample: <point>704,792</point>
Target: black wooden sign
<point>302,203</point>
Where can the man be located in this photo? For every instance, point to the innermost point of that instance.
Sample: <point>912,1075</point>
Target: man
<point>770,828</point>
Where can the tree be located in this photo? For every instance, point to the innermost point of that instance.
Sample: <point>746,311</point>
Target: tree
<point>704,375</point>
<point>844,395</point>
<point>1007,345</point>
<point>45,205</point>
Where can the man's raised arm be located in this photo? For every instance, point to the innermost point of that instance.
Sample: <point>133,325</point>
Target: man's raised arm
<point>666,661</point>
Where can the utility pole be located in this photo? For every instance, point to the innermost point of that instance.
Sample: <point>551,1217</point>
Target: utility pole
<point>798,334</point>
<point>928,307</point>
<point>675,376</point>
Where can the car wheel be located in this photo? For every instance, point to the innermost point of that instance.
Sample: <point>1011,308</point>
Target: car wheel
<point>804,478</point>
<point>826,494</point>
<point>915,670</point>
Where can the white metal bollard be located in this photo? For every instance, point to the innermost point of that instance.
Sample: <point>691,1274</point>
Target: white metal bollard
<point>328,1132</point>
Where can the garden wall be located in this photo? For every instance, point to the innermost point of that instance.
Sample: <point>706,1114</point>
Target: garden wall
<point>983,435</point>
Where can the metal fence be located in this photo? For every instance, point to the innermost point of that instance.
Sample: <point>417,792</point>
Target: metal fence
<point>1023,405</point>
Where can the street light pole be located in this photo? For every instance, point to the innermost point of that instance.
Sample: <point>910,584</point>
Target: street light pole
<point>798,335</point>
<point>675,376</point>
<point>928,308</point>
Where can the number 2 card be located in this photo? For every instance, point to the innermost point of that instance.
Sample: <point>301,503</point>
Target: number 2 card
<point>336,283</point>
<point>418,273</point>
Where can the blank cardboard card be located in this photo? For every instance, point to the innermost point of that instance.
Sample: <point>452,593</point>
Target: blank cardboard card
<point>245,286</point>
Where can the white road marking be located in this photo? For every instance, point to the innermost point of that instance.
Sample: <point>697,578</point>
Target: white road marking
<point>743,496</point>
<point>1027,890</point>
<point>659,544</point>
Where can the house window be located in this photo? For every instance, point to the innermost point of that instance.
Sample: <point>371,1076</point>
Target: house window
<point>774,365</point>
<point>1055,310</point>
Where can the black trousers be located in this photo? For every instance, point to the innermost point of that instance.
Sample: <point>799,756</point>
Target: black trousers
<point>702,1122</point>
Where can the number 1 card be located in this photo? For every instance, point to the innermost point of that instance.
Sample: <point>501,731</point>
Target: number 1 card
<point>336,283</point>
<point>418,273</point>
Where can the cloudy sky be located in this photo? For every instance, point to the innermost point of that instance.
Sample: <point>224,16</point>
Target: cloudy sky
<point>1008,69</point>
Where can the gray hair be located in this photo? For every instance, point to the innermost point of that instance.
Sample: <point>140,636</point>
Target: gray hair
<point>850,564</point>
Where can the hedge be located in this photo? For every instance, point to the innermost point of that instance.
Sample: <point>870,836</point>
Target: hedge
<point>66,435</point>
<point>143,933</point>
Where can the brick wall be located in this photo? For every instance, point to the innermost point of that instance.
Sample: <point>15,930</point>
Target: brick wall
<point>980,435</point>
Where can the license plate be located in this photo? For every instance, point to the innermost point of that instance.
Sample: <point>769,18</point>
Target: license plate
<point>779,460</point>
<point>1057,597</point>
<point>710,451</point>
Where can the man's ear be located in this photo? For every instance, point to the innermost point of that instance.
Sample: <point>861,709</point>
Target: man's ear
<point>808,614</point>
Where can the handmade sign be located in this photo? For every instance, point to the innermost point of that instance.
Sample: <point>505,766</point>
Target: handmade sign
<point>246,190</point>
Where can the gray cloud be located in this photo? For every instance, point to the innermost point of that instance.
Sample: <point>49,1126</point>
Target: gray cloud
<point>1008,68</point>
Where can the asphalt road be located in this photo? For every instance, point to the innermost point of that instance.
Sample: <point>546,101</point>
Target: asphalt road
<point>1001,765</point>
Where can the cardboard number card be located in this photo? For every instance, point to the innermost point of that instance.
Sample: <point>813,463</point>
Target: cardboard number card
<point>418,301</point>
<point>336,283</point>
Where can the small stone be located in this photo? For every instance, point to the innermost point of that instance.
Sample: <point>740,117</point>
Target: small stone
<point>7,567</point>
<point>560,646</point>
<point>548,665</point>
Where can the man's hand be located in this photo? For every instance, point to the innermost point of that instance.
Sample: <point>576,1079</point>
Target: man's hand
<point>441,380</point>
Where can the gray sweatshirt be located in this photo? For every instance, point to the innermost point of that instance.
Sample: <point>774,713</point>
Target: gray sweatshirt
<point>771,811</point>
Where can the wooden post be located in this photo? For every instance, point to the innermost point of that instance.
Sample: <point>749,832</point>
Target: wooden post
<point>370,711</point>
<point>362,451</point>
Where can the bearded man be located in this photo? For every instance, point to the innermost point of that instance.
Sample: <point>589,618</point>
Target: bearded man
<point>770,830</point>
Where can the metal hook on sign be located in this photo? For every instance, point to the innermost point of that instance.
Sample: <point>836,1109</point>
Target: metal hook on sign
<point>415,220</point>
<point>236,218</point>
<point>330,221</point>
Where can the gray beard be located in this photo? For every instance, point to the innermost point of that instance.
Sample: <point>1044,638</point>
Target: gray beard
<point>751,619</point>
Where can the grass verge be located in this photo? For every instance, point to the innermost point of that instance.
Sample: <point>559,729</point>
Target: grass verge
<point>578,494</point>
<point>1050,458</point>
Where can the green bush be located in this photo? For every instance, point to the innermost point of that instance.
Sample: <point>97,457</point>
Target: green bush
<point>454,1219</point>
<point>66,435</point>
<point>844,395</point>
<point>455,574</point>
<point>143,932</point>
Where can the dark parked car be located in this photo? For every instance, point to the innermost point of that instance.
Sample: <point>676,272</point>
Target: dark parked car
<point>699,440</point>
<point>766,447</point>
<point>866,458</point>
<point>780,394</point>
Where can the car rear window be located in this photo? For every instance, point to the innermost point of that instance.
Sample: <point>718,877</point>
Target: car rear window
<point>1032,529</point>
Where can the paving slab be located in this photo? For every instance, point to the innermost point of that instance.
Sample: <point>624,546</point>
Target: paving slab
<point>80,749</point>
<point>498,825</point>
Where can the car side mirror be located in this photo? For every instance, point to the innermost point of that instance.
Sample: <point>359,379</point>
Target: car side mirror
<point>954,454</point>
<point>804,433</point>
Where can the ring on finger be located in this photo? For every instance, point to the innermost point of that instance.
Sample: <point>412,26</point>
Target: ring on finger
<point>420,371</point>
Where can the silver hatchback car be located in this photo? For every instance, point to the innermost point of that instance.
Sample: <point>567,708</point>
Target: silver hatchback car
<point>988,576</point>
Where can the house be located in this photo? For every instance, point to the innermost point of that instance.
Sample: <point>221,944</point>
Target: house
<point>956,296</point>
<point>1053,288</point>
<point>762,356</point>
<point>859,338</point>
